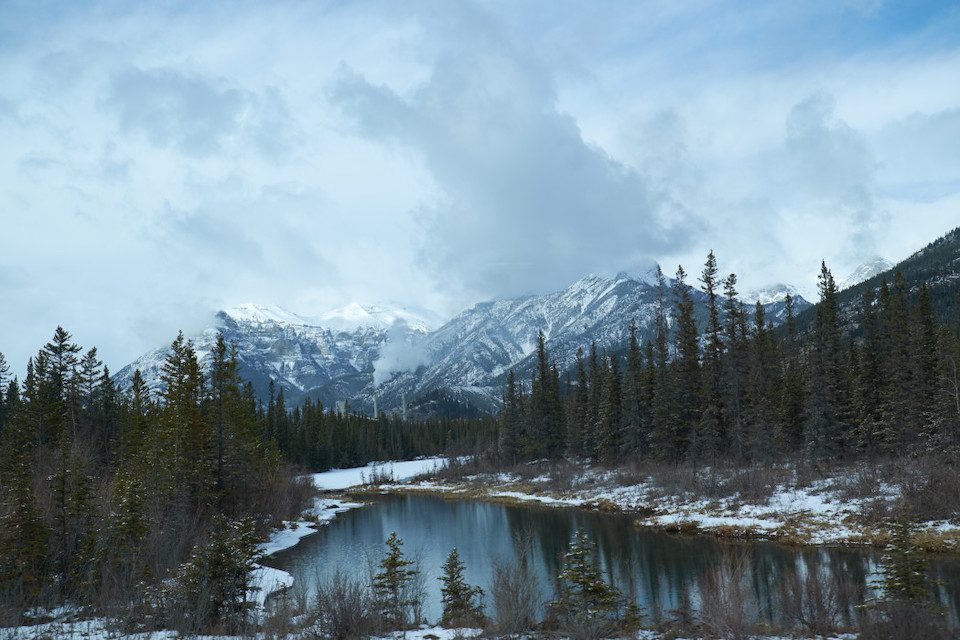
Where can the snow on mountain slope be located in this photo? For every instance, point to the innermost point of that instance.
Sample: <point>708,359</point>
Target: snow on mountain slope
<point>461,365</point>
<point>295,352</point>
<point>864,271</point>
<point>354,316</point>
<point>770,294</point>
<point>774,300</point>
<point>261,314</point>
<point>470,355</point>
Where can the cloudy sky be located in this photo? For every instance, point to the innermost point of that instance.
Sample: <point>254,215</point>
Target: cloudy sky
<point>159,163</point>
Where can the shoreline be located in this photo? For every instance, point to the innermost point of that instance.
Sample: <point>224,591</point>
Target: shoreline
<point>801,517</point>
<point>267,581</point>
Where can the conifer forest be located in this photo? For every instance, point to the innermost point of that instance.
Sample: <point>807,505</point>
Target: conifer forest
<point>480,320</point>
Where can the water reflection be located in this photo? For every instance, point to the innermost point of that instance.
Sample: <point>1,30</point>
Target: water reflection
<point>660,570</point>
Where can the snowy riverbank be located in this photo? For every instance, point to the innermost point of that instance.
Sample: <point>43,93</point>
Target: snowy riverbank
<point>792,511</point>
<point>268,580</point>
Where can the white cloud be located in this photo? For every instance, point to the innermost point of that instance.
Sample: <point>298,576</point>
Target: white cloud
<point>160,163</point>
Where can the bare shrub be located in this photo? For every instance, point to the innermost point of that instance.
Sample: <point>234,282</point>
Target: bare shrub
<point>284,496</point>
<point>726,601</point>
<point>380,475</point>
<point>515,593</point>
<point>861,482</point>
<point>681,621</point>
<point>931,488</point>
<point>631,474</point>
<point>813,602</point>
<point>753,483</point>
<point>457,469</point>
<point>344,608</point>
<point>563,475</point>
<point>903,621</point>
<point>286,611</point>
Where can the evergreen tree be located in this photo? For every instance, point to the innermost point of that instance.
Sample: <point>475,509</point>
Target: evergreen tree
<point>947,398</point>
<point>511,422</point>
<point>4,371</point>
<point>790,411</point>
<point>662,417</point>
<point>926,355</point>
<point>461,601</point>
<point>904,567</point>
<point>711,428</point>
<point>823,428</point>
<point>586,605</point>
<point>4,381</point>
<point>633,420</point>
<point>763,387</point>
<point>224,389</point>
<point>610,432</point>
<point>687,365</point>
<point>895,431</point>
<point>393,586</point>
<point>211,588</point>
<point>867,401</point>
<point>733,422</point>
<point>578,415</point>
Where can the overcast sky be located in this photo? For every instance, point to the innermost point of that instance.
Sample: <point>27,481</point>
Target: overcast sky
<point>159,163</point>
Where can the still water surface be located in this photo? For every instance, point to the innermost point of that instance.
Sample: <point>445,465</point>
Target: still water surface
<point>655,567</point>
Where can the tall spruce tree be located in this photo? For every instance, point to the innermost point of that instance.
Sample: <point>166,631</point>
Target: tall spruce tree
<point>823,427</point>
<point>711,428</point>
<point>511,417</point>
<point>662,438</point>
<point>633,419</point>
<point>790,409</point>
<point>393,586</point>
<point>462,606</point>
<point>687,367</point>
<point>611,438</point>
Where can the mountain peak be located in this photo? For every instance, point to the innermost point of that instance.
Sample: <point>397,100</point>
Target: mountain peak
<point>354,315</point>
<point>770,294</point>
<point>864,271</point>
<point>263,314</point>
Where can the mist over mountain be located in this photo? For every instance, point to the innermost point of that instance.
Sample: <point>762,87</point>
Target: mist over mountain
<point>401,356</point>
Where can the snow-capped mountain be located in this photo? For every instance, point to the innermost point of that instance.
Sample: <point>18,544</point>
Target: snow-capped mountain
<point>773,298</point>
<point>864,271</point>
<point>331,356</point>
<point>355,316</point>
<point>358,352</point>
<point>770,294</point>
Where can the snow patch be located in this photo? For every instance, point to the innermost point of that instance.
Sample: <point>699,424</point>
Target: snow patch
<point>358,476</point>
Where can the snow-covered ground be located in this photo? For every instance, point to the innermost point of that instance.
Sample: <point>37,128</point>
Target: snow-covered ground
<point>356,476</point>
<point>267,580</point>
<point>96,630</point>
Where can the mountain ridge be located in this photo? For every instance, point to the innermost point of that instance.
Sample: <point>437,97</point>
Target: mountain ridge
<point>348,353</point>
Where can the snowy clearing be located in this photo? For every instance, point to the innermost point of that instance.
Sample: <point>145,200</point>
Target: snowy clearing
<point>357,476</point>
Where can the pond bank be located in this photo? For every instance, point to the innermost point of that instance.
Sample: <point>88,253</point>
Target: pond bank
<point>818,512</point>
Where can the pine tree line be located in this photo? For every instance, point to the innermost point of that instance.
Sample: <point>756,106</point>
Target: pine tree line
<point>312,437</point>
<point>106,492</point>
<point>740,389</point>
